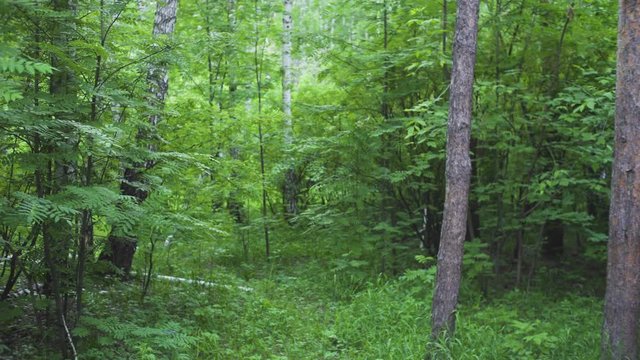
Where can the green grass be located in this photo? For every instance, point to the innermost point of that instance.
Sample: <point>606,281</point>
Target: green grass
<point>309,309</point>
<point>288,317</point>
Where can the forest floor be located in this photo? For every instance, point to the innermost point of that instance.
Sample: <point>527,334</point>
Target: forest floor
<point>307,309</point>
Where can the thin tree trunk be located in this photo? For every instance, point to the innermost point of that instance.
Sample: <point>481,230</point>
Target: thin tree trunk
<point>234,205</point>
<point>385,109</point>
<point>458,170</point>
<point>85,239</point>
<point>497,50</point>
<point>264,192</point>
<point>622,298</point>
<point>290,180</point>
<point>122,248</point>
<point>444,26</point>
<point>519,251</point>
<point>555,82</point>
<point>213,75</point>
<point>257,59</point>
<point>445,30</point>
<point>231,51</point>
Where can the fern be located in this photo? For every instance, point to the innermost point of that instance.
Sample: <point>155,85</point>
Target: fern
<point>36,210</point>
<point>21,66</point>
<point>167,339</point>
<point>116,208</point>
<point>94,198</point>
<point>11,66</point>
<point>8,92</point>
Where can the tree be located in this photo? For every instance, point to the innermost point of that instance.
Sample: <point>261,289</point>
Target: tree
<point>56,174</point>
<point>458,170</point>
<point>290,192</point>
<point>258,63</point>
<point>121,247</point>
<point>622,297</point>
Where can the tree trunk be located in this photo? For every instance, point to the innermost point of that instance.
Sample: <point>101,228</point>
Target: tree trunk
<point>231,51</point>
<point>50,178</point>
<point>121,249</point>
<point>458,170</point>
<point>235,207</point>
<point>622,298</point>
<point>290,179</point>
<point>553,239</point>
<point>258,63</point>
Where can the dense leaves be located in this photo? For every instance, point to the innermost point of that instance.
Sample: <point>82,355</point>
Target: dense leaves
<point>369,111</point>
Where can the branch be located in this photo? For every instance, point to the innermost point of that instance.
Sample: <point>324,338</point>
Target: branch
<point>66,329</point>
<point>129,64</point>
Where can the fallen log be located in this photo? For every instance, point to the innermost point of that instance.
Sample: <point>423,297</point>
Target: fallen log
<point>197,282</point>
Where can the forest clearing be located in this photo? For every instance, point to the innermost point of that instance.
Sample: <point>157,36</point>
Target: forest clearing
<point>308,179</point>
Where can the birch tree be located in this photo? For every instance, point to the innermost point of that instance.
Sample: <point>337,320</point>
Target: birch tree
<point>121,248</point>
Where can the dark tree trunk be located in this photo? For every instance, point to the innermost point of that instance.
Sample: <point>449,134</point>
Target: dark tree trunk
<point>121,249</point>
<point>553,239</point>
<point>258,63</point>
<point>53,176</point>
<point>622,298</point>
<point>458,170</point>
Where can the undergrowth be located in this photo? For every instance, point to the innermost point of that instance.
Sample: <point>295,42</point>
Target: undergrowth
<point>311,307</point>
<point>297,317</point>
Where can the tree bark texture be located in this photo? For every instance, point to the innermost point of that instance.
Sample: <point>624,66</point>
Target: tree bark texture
<point>622,298</point>
<point>290,179</point>
<point>122,248</point>
<point>458,170</point>
<point>158,75</point>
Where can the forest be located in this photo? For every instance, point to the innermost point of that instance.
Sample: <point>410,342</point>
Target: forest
<point>319,179</point>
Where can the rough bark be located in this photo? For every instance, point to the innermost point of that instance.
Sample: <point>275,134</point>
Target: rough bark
<point>290,179</point>
<point>121,249</point>
<point>622,298</point>
<point>458,170</point>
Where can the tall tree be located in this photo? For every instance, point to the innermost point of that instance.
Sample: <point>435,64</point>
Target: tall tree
<point>258,66</point>
<point>290,192</point>
<point>57,173</point>
<point>622,298</point>
<point>458,169</point>
<point>233,204</point>
<point>121,247</point>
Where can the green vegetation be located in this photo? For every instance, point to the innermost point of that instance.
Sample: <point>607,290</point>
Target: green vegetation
<point>303,311</point>
<point>99,166</point>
